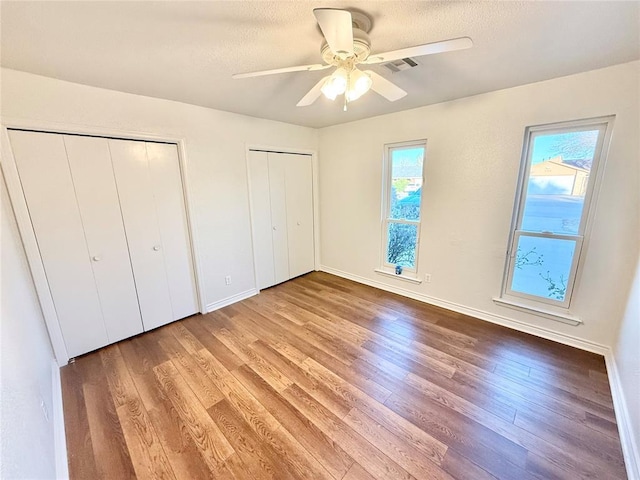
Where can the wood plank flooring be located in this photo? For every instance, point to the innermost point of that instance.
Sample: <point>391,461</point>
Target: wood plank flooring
<point>323,378</point>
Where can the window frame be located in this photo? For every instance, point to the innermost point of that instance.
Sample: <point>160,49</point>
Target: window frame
<point>386,204</point>
<point>604,125</point>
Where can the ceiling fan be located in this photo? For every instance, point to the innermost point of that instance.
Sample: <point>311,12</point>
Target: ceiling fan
<point>346,46</point>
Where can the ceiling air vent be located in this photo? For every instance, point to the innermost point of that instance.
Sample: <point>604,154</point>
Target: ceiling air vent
<point>400,65</point>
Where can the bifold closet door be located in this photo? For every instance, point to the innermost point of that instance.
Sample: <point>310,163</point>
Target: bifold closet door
<point>261,218</point>
<point>299,193</point>
<point>281,215</point>
<point>97,197</point>
<point>76,218</point>
<point>152,205</point>
<point>164,170</point>
<point>278,195</point>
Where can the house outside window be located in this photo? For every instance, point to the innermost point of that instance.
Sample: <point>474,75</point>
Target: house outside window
<point>560,173</point>
<point>402,202</point>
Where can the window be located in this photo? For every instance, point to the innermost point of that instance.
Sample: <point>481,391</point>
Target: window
<point>403,181</point>
<point>561,166</point>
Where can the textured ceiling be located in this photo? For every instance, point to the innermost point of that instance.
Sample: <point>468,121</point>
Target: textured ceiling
<point>187,51</point>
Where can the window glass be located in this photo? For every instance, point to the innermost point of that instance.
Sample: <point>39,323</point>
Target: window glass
<point>406,182</point>
<point>543,266</point>
<point>558,180</point>
<point>401,246</point>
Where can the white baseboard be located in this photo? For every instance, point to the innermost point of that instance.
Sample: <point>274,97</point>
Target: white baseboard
<point>481,314</point>
<point>627,436</point>
<point>59,439</point>
<point>232,299</point>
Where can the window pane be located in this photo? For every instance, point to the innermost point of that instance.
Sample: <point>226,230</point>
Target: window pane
<point>401,245</point>
<point>406,182</point>
<point>542,266</point>
<point>558,178</point>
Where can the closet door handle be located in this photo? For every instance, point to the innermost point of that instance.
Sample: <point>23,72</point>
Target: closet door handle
<point>96,258</point>
<point>274,229</point>
<point>156,248</point>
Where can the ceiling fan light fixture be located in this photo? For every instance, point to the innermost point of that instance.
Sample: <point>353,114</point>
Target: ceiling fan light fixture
<point>359,84</point>
<point>336,84</point>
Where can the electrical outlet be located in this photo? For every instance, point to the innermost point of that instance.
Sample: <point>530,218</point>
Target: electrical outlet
<point>227,280</point>
<point>427,278</point>
<point>44,410</point>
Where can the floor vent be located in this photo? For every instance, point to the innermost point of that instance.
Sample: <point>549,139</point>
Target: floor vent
<point>400,65</point>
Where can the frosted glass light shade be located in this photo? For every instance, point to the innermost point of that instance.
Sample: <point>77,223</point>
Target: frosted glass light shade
<point>359,84</point>
<point>335,85</point>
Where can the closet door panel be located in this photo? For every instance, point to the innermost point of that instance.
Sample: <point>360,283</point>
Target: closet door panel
<point>277,192</point>
<point>130,166</point>
<point>261,218</point>
<point>299,192</point>
<point>48,188</point>
<point>97,197</point>
<point>166,179</point>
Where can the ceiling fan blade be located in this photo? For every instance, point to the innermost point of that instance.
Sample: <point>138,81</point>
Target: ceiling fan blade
<point>419,50</point>
<point>384,87</point>
<point>299,68</point>
<point>313,94</point>
<point>336,26</point>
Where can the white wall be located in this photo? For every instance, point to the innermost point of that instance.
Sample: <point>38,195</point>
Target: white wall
<point>627,361</point>
<point>473,155</point>
<point>215,147</point>
<point>27,438</point>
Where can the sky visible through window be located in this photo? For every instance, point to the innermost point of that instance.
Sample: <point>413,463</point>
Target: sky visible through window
<point>572,146</point>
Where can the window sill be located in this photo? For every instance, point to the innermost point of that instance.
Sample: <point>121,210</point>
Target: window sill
<point>406,278</point>
<point>557,316</point>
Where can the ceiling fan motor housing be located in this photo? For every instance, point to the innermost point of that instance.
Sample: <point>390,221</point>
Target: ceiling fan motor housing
<point>361,48</point>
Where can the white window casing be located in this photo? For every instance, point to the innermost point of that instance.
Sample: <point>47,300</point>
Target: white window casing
<point>408,272</point>
<point>534,302</point>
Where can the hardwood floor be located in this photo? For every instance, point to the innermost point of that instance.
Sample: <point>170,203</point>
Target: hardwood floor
<point>323,378</point>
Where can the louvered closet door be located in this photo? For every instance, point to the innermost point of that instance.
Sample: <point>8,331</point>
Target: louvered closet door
<point>49,193</point>
<point>299,193</point>
<point>97,198</point>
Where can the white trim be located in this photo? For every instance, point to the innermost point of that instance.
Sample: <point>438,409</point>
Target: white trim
<point>23,219</point>
<point>628,441</point>
<point>251,222</point>
<point>232,299</point>
<point>518,325</point>
<point>535,310</point>
<point>191,225</point>
<point>18,202</point>
<point>59,439</point>
<point>406,278</point>
<point>89,130</point>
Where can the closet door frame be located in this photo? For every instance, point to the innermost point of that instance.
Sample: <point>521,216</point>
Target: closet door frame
<point>316,199</point>
<point>27,233</point>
